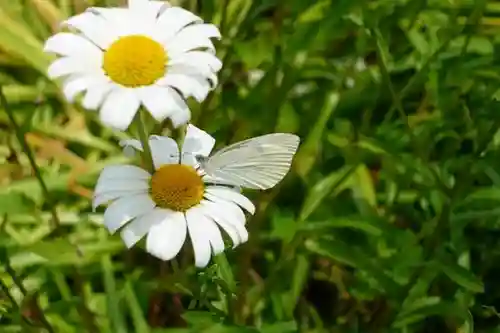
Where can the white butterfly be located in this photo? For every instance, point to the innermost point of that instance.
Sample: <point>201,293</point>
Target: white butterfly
<point>257,163</point>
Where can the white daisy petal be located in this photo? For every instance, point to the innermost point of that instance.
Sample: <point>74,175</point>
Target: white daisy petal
<point>233,210</point>
<point>95,95</point>
<point>164,150</point>
<point>228,221</point>
<point>193,37</point>
<point>196,142</point>
<point>160,6</point>
<point>205,30</point>
<point>75,85</point>
<point>218,193</point>
<point>68,44</point>
<point>149,10</point>
<point>125,209</point>
<point>213,80</point>
<point>229,229</point>
<point>180,118</point>
<point>119,19</point>
<point>110,185</point>
<point>216,240</point>
<point>106,197</point>
<point>66,66</point>
<point>196,86</point>
<point>130,146</point>
<point>124,172</point>
<point>137,5</point>
<point>165,239</point>
<point>161,102</point>
<point>193,71</point>
<point>199,238</point>
<point>119,108</point>
<point>118,180</point>
<point>203,62</point>
<point>219,181</point>
<point>94,27</point>
<point>172,20</point>
<point>177,47</point>
<point>212,232</point>
<point>139,227</point>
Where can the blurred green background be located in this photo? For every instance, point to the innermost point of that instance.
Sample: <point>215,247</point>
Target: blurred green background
<point>389,221</point>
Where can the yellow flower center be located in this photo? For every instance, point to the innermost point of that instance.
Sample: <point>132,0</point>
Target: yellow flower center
<point>177,187</point>
<point>135,61</point>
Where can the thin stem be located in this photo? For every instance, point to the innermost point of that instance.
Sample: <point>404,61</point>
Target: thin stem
<point>31,157</point>
<point>396,100</point>
<point>223,20</point>
<point>19,283</point>
<point>15,278</point>
<point>7,293</point>
<point>13,301</point>
<point>86,314</point>
<point>144,138</point>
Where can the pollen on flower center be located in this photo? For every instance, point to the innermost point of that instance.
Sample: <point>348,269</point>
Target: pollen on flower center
<point>135,61</point>
<point>177,187</point>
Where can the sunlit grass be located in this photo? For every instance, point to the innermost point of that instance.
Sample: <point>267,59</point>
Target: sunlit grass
<point>387,223</point>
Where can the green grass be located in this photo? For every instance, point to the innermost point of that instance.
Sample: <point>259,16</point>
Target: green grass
<point>388,222</point>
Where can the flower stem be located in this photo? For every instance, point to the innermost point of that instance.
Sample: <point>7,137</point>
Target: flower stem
<point>31,157</point>
<point>179,134</point>
<point>144,138</point>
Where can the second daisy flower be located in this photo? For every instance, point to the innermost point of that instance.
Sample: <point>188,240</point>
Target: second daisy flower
<point>174,201</point>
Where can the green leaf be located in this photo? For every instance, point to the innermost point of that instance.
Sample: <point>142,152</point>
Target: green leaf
<point>219,328</point>
<point>372,227</point>
<point>140,323</point>
<point>335,250</point>
<point>421,287</point>
<point>488,193</point>
<point>284,327</point>
<point>284,227</point>
<point>468,325</point>
<point>299,279</point>
<point>427,308</point>
<point>113,298</point>
<point>363,187</point>
<point>206,322</point>
<point>310,148</point>
<point>332,183</point>
<point>315,12</point>
<point>418,304</point>
<point>419,41</point>
<point>368,144</point>
<point>462,276</point>
<point>62,251</point>
<point>476,44</point>
<point>256,51</point>
<point>17,39</point>
<point>224,271</point>
<point>354,257</point>
<point>14,203</point>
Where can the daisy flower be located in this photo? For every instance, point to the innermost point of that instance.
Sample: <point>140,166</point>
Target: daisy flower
<point>148,54</point>
<point>174,201</point>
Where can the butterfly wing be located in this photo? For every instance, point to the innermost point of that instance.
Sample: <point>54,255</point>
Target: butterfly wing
<point>257,163</point>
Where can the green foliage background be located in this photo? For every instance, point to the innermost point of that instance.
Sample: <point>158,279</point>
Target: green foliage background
<point>389,221</point>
